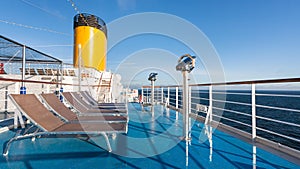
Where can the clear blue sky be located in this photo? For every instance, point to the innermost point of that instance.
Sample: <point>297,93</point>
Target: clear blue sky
<point>255,39</point>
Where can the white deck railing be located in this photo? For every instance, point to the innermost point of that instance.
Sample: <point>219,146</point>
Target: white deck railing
<point>256,107</point>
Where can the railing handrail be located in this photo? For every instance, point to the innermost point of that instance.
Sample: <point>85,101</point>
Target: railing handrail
<point>285,80</point>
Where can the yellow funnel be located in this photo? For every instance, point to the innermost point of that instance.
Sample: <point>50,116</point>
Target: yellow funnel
<point>90,34</point>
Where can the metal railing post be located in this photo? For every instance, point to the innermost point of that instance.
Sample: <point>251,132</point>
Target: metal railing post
<point>189,110</point>
<point>6,99</point>
<point>185,106</point>
<point>147,96</point>
<point>210,103</point>
<point>176,97</point>
<point>253,112</point>
<point>168,102</point>
<point>162,95</point>
<point>189,99</point>
<point>23,88</point>
<point>142,99</point>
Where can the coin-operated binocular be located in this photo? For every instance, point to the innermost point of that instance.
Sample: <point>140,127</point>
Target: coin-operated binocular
<point>186,63</point>
<point>152,76</point>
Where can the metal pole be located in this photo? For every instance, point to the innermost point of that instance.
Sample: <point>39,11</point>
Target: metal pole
<point>152,92</point>
<point>142,100</point>
<point>61,74</point>
<point>168,96</point>
<point>176,99</point>
<point>210,122</point>
<point>147,96</point>
<point>185,109</point>
<point>6,101</point>
<point>23,65</point>
<point>23,88</point>
<point>162,95</point>
<point>61,80</point>
<point>253,112</point>
<point>189,108</point>
<point>57,81</point>
<point>210,103</point>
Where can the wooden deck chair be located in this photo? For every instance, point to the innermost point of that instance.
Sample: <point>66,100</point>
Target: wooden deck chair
<point>50,125</point>
<point>41,71</point>
<point>65,72</point>
<point>87,103</point>
<point>86,96</point>
<point>71,72</point>
<point>26,71</point>
<point>110,106</point>
<point>61,110</point>
<point>79,107</point>
<point>49,72</point>
<point>56,72</point>
<point>32,71</point>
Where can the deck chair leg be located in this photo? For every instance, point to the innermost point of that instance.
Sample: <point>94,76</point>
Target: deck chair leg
<point>6,145</point>
<point>18,118</point>
<point>107,142</point>
<point>19,137</point>
<point>15,121</point>
<point>26,131</point>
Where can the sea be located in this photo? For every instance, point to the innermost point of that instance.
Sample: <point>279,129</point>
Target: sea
<point>225,105</point>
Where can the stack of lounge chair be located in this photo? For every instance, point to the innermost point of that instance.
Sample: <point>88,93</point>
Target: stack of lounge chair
<point>65,113</point>
<point>81,106</point>
<point>54,119</point>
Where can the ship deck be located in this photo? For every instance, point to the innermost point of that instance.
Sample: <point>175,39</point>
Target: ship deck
<point>152,141</point>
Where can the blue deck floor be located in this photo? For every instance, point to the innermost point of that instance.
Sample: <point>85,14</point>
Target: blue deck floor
<point>152,142</point>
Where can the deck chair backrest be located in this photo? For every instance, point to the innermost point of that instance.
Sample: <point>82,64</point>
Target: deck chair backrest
<point>33,109</point>
<point>71,72</point>
<point>41,71</point>
<point>32,71</point>
<point>65,73</point>
<point>80,98</point>
<point>49,72</point>
<point>88,97</point>
<point>58,106</point>
<point>74,102</point>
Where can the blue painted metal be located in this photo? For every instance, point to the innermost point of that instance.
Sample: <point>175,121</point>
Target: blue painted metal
<point>23,90</point>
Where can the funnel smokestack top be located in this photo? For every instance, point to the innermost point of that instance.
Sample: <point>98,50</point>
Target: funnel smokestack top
<point>90,35</point>
<point>84,19</point>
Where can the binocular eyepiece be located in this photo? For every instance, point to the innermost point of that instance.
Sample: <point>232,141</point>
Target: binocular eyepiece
<point>152,76</point>
<point>186,63</point>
